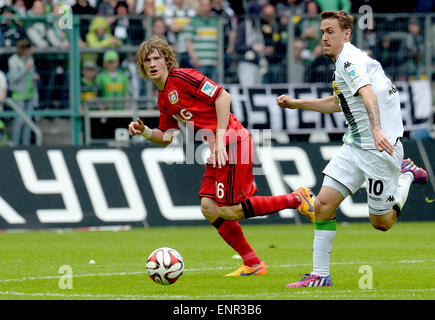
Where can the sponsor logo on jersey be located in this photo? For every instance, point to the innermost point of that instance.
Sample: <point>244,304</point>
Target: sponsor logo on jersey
<point>183,117</point>
<point>335,88</point>
<point>347,64</point>
<point>392,90</point>
<point>173,96</point>
<point>209,89</point>
<point>374,198</point>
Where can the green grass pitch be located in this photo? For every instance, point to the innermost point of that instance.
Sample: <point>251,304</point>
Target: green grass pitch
<point>402,262</point>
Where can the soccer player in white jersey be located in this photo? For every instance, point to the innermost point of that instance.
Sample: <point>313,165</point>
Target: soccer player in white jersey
<point>372,151</point>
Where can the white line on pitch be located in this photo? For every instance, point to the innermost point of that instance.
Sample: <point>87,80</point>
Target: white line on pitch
<point>205,269</point>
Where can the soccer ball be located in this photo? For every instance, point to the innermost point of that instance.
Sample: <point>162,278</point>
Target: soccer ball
<point>165,265</point>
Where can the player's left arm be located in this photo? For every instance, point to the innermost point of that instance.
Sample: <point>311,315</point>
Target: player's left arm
<point>222,105</point>
<point>371,103</point>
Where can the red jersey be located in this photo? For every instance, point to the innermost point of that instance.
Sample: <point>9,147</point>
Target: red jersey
<point>189,96</point>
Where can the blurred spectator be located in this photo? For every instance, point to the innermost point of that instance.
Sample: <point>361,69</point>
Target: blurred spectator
<point>111,82</point>
<point>149,9</point>
<point>326,5</point>
<point>160,7</point>
<point>387,56</point>
<point>159,29</point>
<point>152,7</point>
<point>275,45</point>
<point>83,7</point>
<point>100,35</point>
<point>254,6</point>
<point>321,69</point>
<point>178,16</point>
<point>48,5</point>
<point>45,31</point>
<point>222,9</point>
<point>36,30</point>
<point>202,40</point>
<point>127,27</point>
<point>311,26</point>
<point>294,9</point>
<point>121,26</point>
<point>22,77</point>
<point>107,7</point>
<point>249,49</point>
<point>131,6</point>
<point>291,7</point>
<point>415,47</point>
<point>11,30</point>
<point>19,7</point>
<point>298,71</point>
<point>370,40</point>
<point>88,85</point>
<point>55,34</point>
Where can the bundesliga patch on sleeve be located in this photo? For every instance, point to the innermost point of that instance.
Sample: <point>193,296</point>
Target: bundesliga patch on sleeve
<point>350,69</point>
<point>208,88</point>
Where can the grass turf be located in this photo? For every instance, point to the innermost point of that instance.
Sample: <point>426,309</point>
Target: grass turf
<point>402,261</point>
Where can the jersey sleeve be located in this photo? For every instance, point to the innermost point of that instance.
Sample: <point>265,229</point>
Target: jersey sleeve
<point>166,122</point>
<point>197,85</point>
<point>354,72</point>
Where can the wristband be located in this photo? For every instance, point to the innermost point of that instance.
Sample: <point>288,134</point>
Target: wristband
<point>147,133</point>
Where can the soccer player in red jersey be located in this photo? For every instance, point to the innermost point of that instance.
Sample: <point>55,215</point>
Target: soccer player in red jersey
<point>227,190</point>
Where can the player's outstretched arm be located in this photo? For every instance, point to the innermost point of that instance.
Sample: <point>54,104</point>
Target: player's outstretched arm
<point>156,136</point>
<point>222,106</point>
<point>371,103</point>
<point>323,105</point>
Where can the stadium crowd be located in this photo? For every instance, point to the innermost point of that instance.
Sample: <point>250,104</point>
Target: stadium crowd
<point>255,42</point>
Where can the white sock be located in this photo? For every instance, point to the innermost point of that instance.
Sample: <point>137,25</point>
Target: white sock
<point>404,184</point>
<point>322,248</point>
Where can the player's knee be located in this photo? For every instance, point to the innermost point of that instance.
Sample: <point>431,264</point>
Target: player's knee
<point>208,210</point>
<point>323,209</point>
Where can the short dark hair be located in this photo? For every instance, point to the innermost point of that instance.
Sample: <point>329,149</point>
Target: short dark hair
<point>23,45</point>
<point>345,20</point>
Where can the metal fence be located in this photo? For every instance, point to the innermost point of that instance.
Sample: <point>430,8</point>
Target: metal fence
<point>250,50</point>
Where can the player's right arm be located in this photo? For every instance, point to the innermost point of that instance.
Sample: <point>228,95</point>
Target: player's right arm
<point>156,136</point>
<point>323,105</point>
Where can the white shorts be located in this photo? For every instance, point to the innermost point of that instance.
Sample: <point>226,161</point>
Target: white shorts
<point>352,167</point>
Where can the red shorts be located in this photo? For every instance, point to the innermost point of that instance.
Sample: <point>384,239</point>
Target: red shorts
<point>234,182</point>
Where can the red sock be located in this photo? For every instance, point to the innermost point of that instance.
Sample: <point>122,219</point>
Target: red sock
<point>260,205</point>
<point>232,233</point>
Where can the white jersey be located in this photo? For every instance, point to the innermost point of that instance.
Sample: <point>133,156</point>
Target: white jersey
<point>354,69</point>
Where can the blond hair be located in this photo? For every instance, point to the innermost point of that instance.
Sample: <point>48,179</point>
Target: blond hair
<point>164,49</point>
<point>345,20</point>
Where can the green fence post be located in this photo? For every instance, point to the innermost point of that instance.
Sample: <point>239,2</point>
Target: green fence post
<point>74,82</point>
